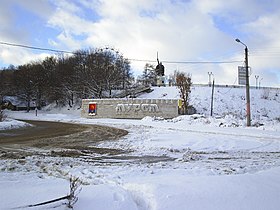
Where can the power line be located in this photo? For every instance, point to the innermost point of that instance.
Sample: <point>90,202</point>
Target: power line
<point>142,60</point>
<point>185,62</point>
<point>201,62</point>
<point>35,48</point>
<point>131,59</point>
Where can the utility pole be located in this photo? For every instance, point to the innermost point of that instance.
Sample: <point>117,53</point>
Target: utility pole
<point>212,99</point>
<point>209,81</point>
<point>257,77</point>
<point>248,108</point>
<point>248,111</point>
<point>260,83</point>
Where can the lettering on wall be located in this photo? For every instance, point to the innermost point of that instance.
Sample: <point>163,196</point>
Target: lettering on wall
<point>126,108</point>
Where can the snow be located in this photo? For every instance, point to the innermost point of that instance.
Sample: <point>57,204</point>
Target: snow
<point>216,162</point>
<point>13,124</point>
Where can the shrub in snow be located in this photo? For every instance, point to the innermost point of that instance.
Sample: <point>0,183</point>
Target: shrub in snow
<point>190,155</point>
<point>2,116</point>
<point>197,116</point>
<point>257,124</point>
<point>230,120</point>
<point>265,94</point>
<point>75,189</point>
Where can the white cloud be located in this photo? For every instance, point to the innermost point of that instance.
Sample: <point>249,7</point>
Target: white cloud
<point>66,21</point>
<point>11,32</point>
<point>18,56</point>
<point>178,30</point>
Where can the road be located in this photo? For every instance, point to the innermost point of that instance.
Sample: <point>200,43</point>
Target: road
<point>56,139</point>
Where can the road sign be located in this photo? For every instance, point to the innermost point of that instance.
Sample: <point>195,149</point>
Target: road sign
<point>241,75</point>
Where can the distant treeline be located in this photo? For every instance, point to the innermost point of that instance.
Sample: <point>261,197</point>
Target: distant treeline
<point>66,79</point>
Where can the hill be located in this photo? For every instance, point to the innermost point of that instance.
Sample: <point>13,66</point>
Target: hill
<point>265,102</point>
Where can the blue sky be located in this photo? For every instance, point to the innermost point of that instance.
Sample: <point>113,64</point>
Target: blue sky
<point>192,30</point>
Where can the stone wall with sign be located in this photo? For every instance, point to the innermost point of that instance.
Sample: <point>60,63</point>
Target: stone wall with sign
<point>129,108</point>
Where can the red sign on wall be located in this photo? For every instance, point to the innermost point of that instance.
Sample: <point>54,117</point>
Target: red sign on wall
<point>92,108</point>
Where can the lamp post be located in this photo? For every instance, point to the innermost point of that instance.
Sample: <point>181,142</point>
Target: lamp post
<point>248,112</point>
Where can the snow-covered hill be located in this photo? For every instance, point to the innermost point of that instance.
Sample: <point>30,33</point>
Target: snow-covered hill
<point>265,102</point>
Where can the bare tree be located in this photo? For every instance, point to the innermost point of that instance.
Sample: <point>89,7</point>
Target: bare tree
<point>7,85</point>
<point>183,82</point>
<point>149,75</point>
<point>24,84</point>
<point>39,82</point>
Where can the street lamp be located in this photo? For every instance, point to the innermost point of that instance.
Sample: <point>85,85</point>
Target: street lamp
<point>248,112</point>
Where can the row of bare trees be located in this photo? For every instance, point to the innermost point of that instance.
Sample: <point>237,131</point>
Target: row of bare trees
<point>92,73</point>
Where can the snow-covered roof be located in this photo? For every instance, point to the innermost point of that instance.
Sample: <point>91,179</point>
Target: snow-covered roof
<point>17,101</point>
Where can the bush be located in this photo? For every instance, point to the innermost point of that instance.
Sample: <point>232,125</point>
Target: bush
<point>184,82</point>
<point>265,94</point>
<point>2,116</point>
<point>75,189</point>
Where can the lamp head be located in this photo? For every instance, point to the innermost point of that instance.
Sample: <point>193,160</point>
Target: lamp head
<point>237,40</point>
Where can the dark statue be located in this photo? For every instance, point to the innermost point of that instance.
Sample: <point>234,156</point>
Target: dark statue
<point>159,69</point>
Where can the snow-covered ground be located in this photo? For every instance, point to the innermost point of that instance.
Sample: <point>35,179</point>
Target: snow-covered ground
<point>214,162</point>
<point>12,124</point>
